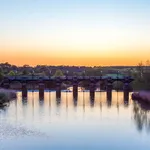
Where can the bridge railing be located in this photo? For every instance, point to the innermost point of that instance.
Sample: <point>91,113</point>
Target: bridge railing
<point>35,77</point>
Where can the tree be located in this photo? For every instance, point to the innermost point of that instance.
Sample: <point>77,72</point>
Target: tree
<point>25,72</point>
<point>140,68</point>
<point>11,73</point>
<point>1,70</point>
<point>1,74</point>
<point>58,73</point>
<point>147,63</point>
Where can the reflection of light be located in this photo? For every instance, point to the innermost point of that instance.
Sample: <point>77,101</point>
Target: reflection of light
<point>66,101</point>
<point>66,106</point>
<point>70,89</point>
<point>100,100</point>
<point>97,90</point>
<point>101,106</point>
<point>33,104</point>
<point>16,104</point>
<point>49,99</point>
<point>83,106</point>
<point>118,107</point>
<point>50,105</point>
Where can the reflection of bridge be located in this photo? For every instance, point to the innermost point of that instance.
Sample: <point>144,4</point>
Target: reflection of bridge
<point>41,80</point>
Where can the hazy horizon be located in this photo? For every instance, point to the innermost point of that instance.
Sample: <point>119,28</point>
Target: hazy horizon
<point>79,33</point>
<point>72,65</point>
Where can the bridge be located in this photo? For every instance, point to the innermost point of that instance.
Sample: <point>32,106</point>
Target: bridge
<point>41,80</point>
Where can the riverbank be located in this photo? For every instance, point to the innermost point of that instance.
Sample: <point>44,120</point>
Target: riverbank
<point>6,96</point>
<point>141,96</point>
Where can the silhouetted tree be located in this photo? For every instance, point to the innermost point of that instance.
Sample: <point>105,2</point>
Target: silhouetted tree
<point>25,72</point>
<point>1,74</point>
<point>140,68</point>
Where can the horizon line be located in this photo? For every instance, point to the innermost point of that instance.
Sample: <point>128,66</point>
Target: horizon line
<point>71,65</point>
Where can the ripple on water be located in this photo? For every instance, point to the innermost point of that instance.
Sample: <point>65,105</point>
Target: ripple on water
<point>9,131</point>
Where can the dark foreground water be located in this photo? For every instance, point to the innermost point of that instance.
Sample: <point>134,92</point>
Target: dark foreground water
<point>68,124</point>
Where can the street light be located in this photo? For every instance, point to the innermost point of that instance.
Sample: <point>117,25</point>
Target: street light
<point>84,73</point>
<point>33,82</point>
<point>15,73</point>
<point>32,73</point>
<point>50,73</point>
<point>75,74</point>
<point>129,72</point>
<point>100,80</point>
<point>67,73</point>
<point>101,74</point>
<point>117,81</point>
<point>117,74</point>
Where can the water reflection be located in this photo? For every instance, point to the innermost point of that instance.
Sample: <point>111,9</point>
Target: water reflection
<point>75,102</point>
<point>94,120</point>
<point>24,101</point>
<point>109,103</point>
<point>141,112</point>
<point>58,102</point>
<point>41,102</point>
<point>126,103</point>
<point>92,102</point>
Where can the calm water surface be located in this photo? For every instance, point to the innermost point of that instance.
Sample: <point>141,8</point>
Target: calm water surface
<point>74,124</point>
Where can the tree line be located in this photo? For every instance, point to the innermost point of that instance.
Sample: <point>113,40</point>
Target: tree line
<point>140,73</point>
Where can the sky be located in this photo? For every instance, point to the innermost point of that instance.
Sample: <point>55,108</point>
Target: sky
<point>74,32</point>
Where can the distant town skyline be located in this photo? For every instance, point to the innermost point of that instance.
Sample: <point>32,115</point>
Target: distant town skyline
<point>84,33</point>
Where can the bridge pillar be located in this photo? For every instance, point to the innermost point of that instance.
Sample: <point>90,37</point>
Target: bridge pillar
<point>58,90</point>
<point>92,90</point>
<point>24,90</point>
<point>126,89</point>
<point>75,90</point>
<point>41,90</point>
<point>109,91</point>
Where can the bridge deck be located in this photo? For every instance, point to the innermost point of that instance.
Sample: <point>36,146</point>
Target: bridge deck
<point>67,78</point>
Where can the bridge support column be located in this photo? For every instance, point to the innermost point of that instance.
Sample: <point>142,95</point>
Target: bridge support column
<point>24,90</point>
<point>58,90</point>
<point>75,90</point>
<point>109,91</point>
<point>126,92</point>
<point>41,90</point>
<point>92,91</point>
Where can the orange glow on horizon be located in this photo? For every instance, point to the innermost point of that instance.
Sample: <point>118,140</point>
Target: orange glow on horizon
<point>72,58</point>
<point>74,61</point>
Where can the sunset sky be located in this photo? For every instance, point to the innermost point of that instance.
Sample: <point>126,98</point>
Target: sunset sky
<point>74,32</point>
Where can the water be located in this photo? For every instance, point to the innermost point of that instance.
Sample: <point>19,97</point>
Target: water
<point>68,124</point>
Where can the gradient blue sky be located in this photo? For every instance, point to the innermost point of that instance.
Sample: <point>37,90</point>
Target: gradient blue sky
<point>74,32</point>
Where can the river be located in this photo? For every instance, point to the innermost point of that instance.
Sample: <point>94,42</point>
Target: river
<point>68,124</point>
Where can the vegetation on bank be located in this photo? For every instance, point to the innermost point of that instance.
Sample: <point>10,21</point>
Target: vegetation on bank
<point>6,96</point>
<point>140,73</point>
